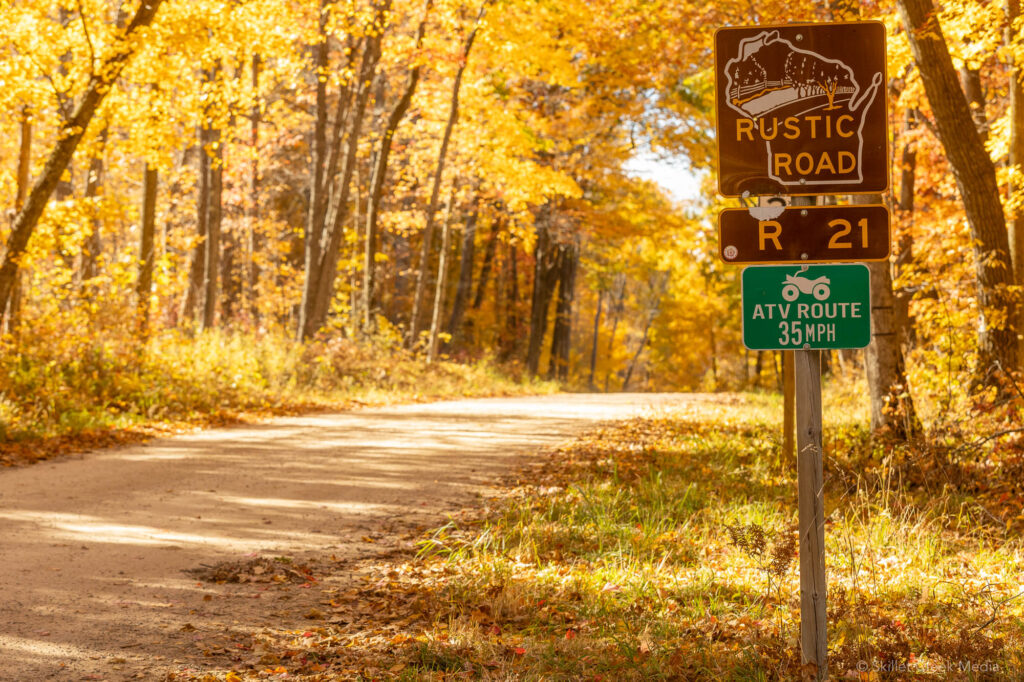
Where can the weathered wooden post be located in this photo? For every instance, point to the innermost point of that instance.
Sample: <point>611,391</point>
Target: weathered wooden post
<point>811,503</point>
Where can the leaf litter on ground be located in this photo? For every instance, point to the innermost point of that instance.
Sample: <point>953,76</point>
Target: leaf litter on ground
<point>664,548</point>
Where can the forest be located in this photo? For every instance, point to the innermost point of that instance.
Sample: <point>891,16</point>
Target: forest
<point>226,210</point>
<point>453,180</point>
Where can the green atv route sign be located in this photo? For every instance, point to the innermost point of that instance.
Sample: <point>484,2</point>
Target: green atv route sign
<point>791,307</point>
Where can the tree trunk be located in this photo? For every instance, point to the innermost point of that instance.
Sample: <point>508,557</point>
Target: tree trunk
<point>615,308</point>
<point>488,264</point>
<point>1016,159</point>
<point>144,283</point>
<point>194,294</point>
<point>99,85</point>
<point>232,276</point>
<point>511,304</point>
<point>400,297</point>
<point>10,313</point>
<point>315,221</point>
<point>322,260</point>
<point>545,277</point>
<point>593,347</point>
<point>324,159</point>
<point>211,269</point>
<point>379,174</point>
<point>713,347</point>
<point>561,334</point>
<point>466,256</point>
<point>970,81</point>
<point>428,229</point>
<point>319,176</point>
<point>712,339</point>
<point>976,179</point>
<point>65,186</point>
<point>905,257</point>
<point>94,242</point>
<point>252,275</point>
<point>639,350</point>
<point>24,159</point>
<point>658,284</point>
<point>892,408</point>
<point>442,280</point>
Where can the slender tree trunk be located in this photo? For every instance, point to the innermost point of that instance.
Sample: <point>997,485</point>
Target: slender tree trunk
<point>332,238</point>
<point>615,309</point>
<point>1016,159</point>
<point>658,285</point>
<point>561,334</point>
<point>379,174</point>
<point>545,276</point>
<point>713,347</point>
<point>428,229</point>
<point>321,273</point>
<point>466,256</point>
<point>442,280</point>
<point>94,242</point>
<point>905,257</point>
<point>347,96</point>
<point>488,264</point>
<point>892,408</point>
<point>10,313</point>
<point>639,350</point>
<point>65,186</point>
<point>211,276</point>
<point>593,348</point>
<point>318,176</point>
<point>194,294</point>
<point>712,340</point>
<point>324,164</point>
<point>511,334</point>
<point>400,303</point>
<point>252,276</point>
<point>144,283</point>
<point>976,180</point>
<point>96,90</point>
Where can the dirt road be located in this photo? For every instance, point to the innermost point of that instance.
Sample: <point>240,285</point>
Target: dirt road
<point>94,549</point>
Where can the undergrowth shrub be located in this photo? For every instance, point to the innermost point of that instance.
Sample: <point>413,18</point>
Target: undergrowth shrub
<point>61,381</point>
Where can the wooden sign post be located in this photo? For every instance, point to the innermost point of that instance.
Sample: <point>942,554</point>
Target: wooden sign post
<point>810,504</point>
<point>800,110</point>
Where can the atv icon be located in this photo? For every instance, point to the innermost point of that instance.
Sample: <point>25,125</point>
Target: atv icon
<point>794,285</point>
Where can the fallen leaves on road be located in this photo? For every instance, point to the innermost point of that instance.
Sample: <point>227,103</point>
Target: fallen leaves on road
<point>260,570</point>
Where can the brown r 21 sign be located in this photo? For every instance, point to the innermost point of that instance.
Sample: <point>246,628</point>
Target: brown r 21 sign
<point>801,109</point>
<point>804,234</point>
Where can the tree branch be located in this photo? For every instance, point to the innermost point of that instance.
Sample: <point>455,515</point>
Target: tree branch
<point>88,38</point>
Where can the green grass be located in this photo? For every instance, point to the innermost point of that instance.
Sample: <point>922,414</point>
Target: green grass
<point>620,563</point>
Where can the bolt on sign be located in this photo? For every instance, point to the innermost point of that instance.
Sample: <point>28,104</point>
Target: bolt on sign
<point>806,307</point>
<point>806,234</point>
<point>801,109</point>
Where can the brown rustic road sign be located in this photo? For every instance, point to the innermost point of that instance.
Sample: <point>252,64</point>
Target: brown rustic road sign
<point>801,109</point>
<point>804,234</point>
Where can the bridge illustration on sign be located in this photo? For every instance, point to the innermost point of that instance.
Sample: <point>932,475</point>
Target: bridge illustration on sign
<point>794,285</point>
<point>808,110</point>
